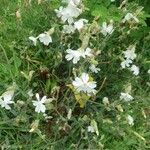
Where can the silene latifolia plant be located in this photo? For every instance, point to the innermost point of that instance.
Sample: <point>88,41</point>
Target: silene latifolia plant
<point>86,46</point>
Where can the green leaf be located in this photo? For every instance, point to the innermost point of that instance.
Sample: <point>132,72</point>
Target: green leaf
<point>100,11</point>
<point>113,13</point>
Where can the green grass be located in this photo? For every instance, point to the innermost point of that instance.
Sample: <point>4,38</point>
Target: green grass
<point>17,54</point>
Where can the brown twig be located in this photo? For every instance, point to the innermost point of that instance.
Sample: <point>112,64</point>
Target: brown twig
<point>102,84</point>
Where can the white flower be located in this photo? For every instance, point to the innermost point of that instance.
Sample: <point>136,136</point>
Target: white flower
<point>6,98</point>
<point>73,55</point>
<point>130,120</point>
<point>45,38</point>
<point>135,70</point>
<point>148,71</point>
<point>80,24</point>
<point>68,29</point>
<point>33,39</point>
<point>94,69</point>
<point>126,63</point>
<point>86,52</point>
<point>91,129</point>
<point>130,16</point>
<point>83,84</point>
<point>126,97</point>
<point>68,13</point>
<point>39,104</point>
<point>130,53</point>
<point>107,29</point>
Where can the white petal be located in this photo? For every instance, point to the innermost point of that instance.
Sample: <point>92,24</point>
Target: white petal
<point>77,82</point>
<point>43,99</point>
<point>135,70</point>
<point>92,85</point>
<point>33,39</point>
<point>43,108</point>
<point>7,107</point>
<point>85,77</point>
<point>37,96</point>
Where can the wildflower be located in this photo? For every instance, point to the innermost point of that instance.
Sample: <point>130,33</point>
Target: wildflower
<point>126,63</point>
<point>80,24</point>
<point>6,98</point>
<point>130,53</point>
<point>107,29</point>
<point>94,69</point>
<point>45,38</point>
<point>86,52</point>
<point>130,120</point>
<point>148,71</point>
<point>33,39</point>
<point>126,97</point>
<point>130,16</point>
<point>83,84</point>
<point>73,55</point>
<point>68,29</point>
<point>69,13</point>
<point>135,70</point>
<point>39,104</point>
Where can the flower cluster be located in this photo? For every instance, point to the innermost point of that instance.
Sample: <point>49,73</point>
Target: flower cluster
<point>130,55</point>
<point>83,57</point>
<point>69,14</point>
